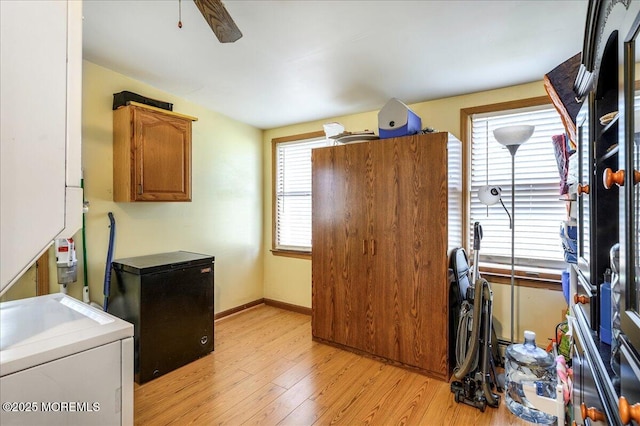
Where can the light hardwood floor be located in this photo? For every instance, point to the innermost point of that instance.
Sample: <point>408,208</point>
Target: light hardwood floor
<point>266,370</point>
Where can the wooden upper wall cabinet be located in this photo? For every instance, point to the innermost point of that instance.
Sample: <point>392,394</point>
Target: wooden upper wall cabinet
<point>151,154</point>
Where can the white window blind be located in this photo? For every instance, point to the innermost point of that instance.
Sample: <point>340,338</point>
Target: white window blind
<point>539,210</point>
<point>293,194</point>
<point>454,169</point>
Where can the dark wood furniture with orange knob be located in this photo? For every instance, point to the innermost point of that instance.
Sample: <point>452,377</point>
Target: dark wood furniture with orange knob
<point>583,189</point>
<point>607,85</point>
<point>628,412</point>
<point>591,413</point>
<point>580,298</point>
<point>609,177</point>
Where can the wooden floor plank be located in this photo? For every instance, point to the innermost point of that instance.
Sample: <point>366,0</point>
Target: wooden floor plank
<point>359,393</point>
<point>177,402</point>
<point>372,410</point>
<point>346,386</point>
<point>217,405</point>
<point>266,370</point>
<point>250,406</point>
<point>281,407</point>
<point>411,400</point>
<point>309,363</point>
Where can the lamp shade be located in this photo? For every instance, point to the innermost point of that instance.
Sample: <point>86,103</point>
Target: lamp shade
<point>489,195</point>
<point>513,135</point>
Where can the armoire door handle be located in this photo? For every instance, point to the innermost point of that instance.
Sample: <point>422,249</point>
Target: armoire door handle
<point>364,246</point>
<point>373,247</point>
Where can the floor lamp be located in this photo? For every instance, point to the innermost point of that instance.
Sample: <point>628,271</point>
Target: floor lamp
<point>512,137</point>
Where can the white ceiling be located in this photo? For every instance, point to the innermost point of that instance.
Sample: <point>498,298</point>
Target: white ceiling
<point>302,60</point>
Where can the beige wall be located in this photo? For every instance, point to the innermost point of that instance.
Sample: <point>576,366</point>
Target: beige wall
<point>230,216</point>
<point>23,288</point>
<point>224,219</point>
<point>289,280</point>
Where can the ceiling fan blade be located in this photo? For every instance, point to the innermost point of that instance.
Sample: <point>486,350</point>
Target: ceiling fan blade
<point>219,20</point>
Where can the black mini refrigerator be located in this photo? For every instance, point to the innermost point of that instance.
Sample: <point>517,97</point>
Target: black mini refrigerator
<point>168,297</point>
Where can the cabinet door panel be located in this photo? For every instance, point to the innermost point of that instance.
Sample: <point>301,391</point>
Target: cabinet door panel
<point>384,213</point>
<point>362,293</point>
<point>338,245</point>
<point>151,154</point>
<point>324,241</point>
<point>412,233</point>
<point>428,298</point>
<point>163,153</point>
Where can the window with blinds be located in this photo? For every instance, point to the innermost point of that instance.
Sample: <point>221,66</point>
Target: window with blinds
<point>539,210</point>
<point>454,208</point>
<point>292,212</point>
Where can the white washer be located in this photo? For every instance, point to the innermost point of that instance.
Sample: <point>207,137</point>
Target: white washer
<point>63,362</point>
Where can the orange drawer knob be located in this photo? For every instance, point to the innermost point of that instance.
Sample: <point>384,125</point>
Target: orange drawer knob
<point>583,189</point>
<point>628,412</point>
<point>609,177</point>
<point>580,298</point>
<point>591,413</point>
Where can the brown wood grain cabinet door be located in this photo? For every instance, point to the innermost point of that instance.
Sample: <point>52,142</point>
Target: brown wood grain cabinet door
<point>162,157</point>
<point>338,232</point>
<point>380,249</point>
<point>362,287</point>
<point>422,243</point>
<point>151,154</point>
<point>410,263</point>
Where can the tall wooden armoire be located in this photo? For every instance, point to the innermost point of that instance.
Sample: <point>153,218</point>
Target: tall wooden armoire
<point>381,240</point>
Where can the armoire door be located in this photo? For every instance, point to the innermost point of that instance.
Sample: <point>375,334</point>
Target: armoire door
<point>379,258</point>
<point>339,244</point>
<point>410,199</point>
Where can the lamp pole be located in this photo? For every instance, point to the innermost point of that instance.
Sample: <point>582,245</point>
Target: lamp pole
<point>512,149</point>
<point>512,137</point>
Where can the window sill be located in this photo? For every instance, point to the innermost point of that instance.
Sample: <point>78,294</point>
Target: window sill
<point>550,279</point>
<point>292,253</point>
<point>495,273</point>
